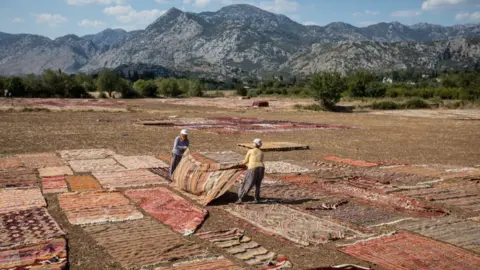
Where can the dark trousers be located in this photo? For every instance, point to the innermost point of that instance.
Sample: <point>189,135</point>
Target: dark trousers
<point>175,161</point>
<point>253,177</point>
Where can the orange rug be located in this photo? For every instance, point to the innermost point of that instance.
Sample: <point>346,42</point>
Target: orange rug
<point>82,183</point>
<point>358,163</point>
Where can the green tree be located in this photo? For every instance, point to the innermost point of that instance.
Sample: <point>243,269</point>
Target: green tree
<point>184,86</point>
<point>169,88</point>
<point>16,87</point>
<point>53,83</point>
<point>375,90</point>
<point>85,81</point>
<point>146,88</point>
<point>34,87</point>
<point>126,89</point>
<point>327,88</point>
<point>240,89</point>
<point>358,83</point>
<point>196,88</point>
<point>107,81</point>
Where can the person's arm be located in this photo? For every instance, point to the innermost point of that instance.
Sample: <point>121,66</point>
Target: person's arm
<point>175,143</point>
<point>247,158</point>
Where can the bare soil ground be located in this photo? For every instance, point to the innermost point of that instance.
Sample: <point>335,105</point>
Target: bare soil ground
<point>406,140</point>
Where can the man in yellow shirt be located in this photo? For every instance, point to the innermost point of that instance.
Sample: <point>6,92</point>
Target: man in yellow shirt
<point>255,173</point>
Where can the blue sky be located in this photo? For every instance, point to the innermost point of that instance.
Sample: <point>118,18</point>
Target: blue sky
<point>54,18</point>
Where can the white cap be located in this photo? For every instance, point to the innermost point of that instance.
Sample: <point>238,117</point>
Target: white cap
<point>184,132</point>
<point>257,142</point>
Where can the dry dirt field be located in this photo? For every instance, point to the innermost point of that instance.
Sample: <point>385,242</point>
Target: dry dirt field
<point>378,138</point>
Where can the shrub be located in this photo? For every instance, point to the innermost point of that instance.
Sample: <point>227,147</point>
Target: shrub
<point>375,90</point>
<point>327,88</point>
<point>240,89</point>
<point>415,103</point>
<point>196,89</point>
<point>107,81</point>
<point>385,105</point>
<point>146,88</point>
<point>169,88</point>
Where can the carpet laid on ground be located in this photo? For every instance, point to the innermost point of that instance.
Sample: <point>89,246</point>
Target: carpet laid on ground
<point>405,251</point>
<point>82,183</point>
<point>55,171</point>
<point>18,228</point>
<point>204,264</point>
<point>282,167</point>
<point>54,184</point>
<point>181,215</point>
<point>462,233</point>
<point>206,181</point>
<point>140,162</point>
<point>18,178</point>
<point>41,160</point>
<point>358,163</point>
<point>296,226</point>
<point>228,157</point>
<point>143,242</point>
<point>97,207</point>
<point>47,255</point>
<point>95,165</point>
<point>79,154</point>
<point>162,172</point>
<point>131,178</point>
<point>277,146</point>
<point>242,247</point>
<point>20,199</point>
<point>9,163</point>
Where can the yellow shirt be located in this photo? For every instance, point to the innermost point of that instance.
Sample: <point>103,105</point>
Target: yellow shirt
<point>254,158</point>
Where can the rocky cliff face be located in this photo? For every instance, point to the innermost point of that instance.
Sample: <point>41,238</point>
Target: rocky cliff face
<point>242,40</point>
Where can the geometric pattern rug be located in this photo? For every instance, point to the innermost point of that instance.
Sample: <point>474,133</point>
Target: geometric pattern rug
<point>47,255</point>
<point>20,199</point>
<point>95,165</point>
<point>54,184</point>
<point>97,207</point>
<point>80,154</point>
<point>462,233</point>
<point>204,264</point>
<point>405,251</point>
<point>140,162</point>
<point>143,242</point>
<point>282,167</point>
<point>55,171</point>
<point>277,146</point>
<point>224,157</point>
<point>296,226</point>
<point>358,163</point>
<point>10,163</point>
<point>30,226</point>
<point>133,178</point>
<point>242,247</point>
<point>82,183</point>
<point>41,160</point>
<point>176,212</point>
<point>18,178</point>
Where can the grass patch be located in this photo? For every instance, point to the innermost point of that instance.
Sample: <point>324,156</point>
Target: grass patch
<point>415,103</point>
<point>35,109</point>
<point>385,105</point>
<point>311,107</point>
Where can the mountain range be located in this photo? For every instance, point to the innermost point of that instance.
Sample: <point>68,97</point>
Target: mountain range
<point>243,40</point>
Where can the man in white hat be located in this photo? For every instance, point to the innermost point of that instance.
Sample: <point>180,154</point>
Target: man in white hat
<point>255,173</point>
<point>180,144</point>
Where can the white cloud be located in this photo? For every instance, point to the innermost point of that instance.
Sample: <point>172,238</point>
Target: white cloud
<point>90,23</point>
<point>52,20</point>
<point>366,13</point>
<point>406,13</point>
<point>17,20</point>
<point>469,17</point>
<point>98,2</point>
<point>434,4</point>
<point>310,23</point>
<point>279,6</point>
<point>127,14</point>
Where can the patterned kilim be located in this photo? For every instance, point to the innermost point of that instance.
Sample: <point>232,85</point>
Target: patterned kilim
<point>167,158</point>
<point>140,162</point>
<point>236,243</point>
<point>462,233</point>
<point>54,184</point>
<point>277,146</point>
<point>30,226</point>
<point>41,160</point>
<point>404,251</point>
<point>436,171</point>
<point>47,255</point>
<point>20,199</point>
<point>204,264</point>
<point>18,178</point>
<point>143,242</point>
<point>342,267</point>
<point>181,215</point>
<point>296,226</point>
<point>97,207</point>
<point>79,154</point>
<point>162,172</point>
<point>55,171</point>
<point>287,192</point>
<point>82,183</point>
<point>283,167</point>
<point>95,165</point>
<point>133,178</point>
<point>228,157</point>
<point>358,163</point>
<point>202,158</point>
<point>10,163</point>
<point>207,181</point>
